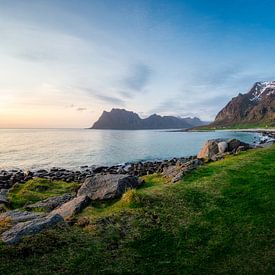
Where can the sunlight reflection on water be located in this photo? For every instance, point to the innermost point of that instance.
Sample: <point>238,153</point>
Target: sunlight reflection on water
<point>71,148</point>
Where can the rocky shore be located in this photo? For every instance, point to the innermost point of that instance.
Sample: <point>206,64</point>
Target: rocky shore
<point>95,184</point>
<point>10,177</point>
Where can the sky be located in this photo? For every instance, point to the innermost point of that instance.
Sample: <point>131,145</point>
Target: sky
<point>62,62</point>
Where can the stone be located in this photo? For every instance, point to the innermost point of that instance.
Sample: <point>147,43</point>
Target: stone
<point>240,149</point>
<point>108,186</point>
<point>209,150</point>
<point>233,144</point>
<point>17,216</point>
<point>100,169</point>
<point>222,147</point>
<point>20,230</point>
<point>50,203</point>
<point>5,177</point>
<point>74,206</point>
<point>3,196</point>
<point>175,173</point>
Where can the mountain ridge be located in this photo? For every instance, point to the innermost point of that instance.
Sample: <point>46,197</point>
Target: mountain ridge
<point>257,106</point>
<point>121,119</point>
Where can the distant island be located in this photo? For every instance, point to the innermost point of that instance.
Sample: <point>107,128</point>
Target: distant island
<point>121,119</point>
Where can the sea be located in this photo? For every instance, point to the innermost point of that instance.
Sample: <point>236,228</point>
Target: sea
<point>72,148</point>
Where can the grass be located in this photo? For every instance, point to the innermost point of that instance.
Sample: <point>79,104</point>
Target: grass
<point>242,126</point>
<point>218,220</point>
<point>132,199</point>
<point>38,189</point>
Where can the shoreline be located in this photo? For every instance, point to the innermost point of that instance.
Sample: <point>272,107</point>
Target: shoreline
<point>256,130</point>
<point>9,177</point>
<point>152,210</point>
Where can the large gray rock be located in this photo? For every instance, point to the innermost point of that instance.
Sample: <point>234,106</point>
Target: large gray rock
<point>216,148</point>
<point>17,216</point>
<point>222,147</point>
<point>109,186</point>
<point>209,150</point>
<point>175,173</point>
<point>20,230</point>
<point>233,144</point>
<point>50,203</point>
<point>72,207</point>
<point>3,196</point>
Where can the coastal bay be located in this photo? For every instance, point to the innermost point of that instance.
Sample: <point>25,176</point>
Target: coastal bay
<point>30,149</point>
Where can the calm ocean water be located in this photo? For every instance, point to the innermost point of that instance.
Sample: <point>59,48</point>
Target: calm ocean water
<point>72,148</point>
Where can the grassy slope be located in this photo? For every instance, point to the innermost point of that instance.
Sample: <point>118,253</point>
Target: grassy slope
<point>241,126</point>
<point>220,219</point>
<point>39,189</point>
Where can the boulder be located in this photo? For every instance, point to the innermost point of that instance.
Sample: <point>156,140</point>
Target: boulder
<point>17,216</point>
<point>215,149</point>
<point>74,206</point>
<point>173,173</point>
<point>51,203</point>
<point>233,144</point>
<point>176,172</point>
<point>20,230</point>
<point>222,146</point>
<point>240,149</point>
<point>108,186</point>
<point>3,196</point>
<point>209,150</point>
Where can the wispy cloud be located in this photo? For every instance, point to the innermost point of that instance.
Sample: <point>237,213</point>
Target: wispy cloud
<point>102,96</point>
<point>138,77</point>
<point>81,109</point>
<point>174,60</point>
<point>110,100</point>
<point>136,80</point>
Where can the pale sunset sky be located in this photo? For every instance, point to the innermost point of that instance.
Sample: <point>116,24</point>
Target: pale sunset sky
<point>62,62</point>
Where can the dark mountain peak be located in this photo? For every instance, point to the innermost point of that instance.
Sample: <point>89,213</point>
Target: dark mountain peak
<point>118,110</point>
<point>122,119</point>
<point>255,106</point>
<point>154,116</point>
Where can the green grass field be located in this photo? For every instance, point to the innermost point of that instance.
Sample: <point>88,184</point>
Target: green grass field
<point>242,126</point>
<point>39,189</point>
<point>218,220</point>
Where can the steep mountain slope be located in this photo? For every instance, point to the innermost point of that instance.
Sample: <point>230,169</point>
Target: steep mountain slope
<point>121,119</point>
<point>255,107</point>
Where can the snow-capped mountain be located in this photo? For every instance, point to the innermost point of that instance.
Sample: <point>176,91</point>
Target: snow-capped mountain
<point>262,89</point>
<point>255,107</point>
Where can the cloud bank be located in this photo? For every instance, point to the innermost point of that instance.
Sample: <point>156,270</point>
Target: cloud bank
<point>149,57</point>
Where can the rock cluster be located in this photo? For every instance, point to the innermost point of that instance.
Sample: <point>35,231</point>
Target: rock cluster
<point>267,137</point>
<point>98,187</point>
<point>9,177</point>
<point>98,183</point>
<point>216,148</point>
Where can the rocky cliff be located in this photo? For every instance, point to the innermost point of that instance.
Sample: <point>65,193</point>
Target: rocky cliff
<point>255,107</point>
<point>121,119</point>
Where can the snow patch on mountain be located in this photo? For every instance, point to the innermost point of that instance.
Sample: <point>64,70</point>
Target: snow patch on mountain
<point>261,89</point>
